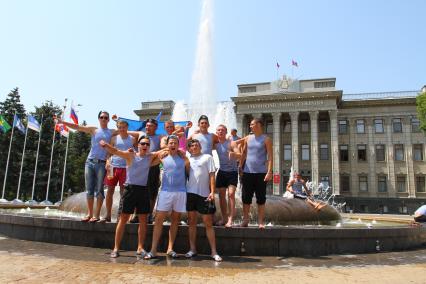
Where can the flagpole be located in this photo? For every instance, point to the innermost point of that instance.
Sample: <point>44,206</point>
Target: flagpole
<point>36,162</point>
<point>17,200</point>
<point>3,200</point>
<point>47,202</point>
<point>65,168</point>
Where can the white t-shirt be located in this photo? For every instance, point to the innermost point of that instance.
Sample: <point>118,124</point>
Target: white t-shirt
<point>199,174</point>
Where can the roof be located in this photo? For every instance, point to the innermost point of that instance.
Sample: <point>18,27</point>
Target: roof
<point>380,96</point>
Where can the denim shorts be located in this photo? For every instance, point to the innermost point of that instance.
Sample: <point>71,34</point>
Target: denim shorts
<point>94,174</point>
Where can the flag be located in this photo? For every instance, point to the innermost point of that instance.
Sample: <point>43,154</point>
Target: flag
<point>33,123</point>
<point>73,115</point>
<point>278,65</point>
<point>18,124</point>
<point>62,129</point>
<point>4,126</point>
<point>159,116</point>
<point>137,125</point>
<point>294,63</point>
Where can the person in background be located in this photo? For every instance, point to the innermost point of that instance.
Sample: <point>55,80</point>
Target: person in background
<point>297,186</point>
<point>207,140</point>
<point>420,214</point>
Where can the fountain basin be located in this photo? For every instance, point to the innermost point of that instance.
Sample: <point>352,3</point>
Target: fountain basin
<point>290,240</point>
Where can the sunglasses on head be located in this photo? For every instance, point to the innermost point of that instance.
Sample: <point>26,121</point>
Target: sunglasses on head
<point>144,143</point>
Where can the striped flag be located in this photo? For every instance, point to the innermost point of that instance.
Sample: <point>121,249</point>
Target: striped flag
<point>62,129</point>
<point>73,115</point>
<point>33,123</point>
<point>18,124</point>
<point>4,126</point>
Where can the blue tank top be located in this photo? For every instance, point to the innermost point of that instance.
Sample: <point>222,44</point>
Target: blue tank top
<point>137,173</point>
<point>298,187</point>
<point>225,164</point>
<point>206,142</point>
<point>96,151</point>
<point>256,155</point>
<point>122,145</point>
<point>173,177</point>
<point>154,141</point>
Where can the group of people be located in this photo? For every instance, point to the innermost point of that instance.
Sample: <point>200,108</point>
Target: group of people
<point>189,178</point>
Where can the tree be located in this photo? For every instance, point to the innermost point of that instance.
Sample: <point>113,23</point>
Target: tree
<point>421,110</point>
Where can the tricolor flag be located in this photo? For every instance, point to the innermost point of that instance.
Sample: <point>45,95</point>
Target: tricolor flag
<point>294,63</point>
<point>62,129</point>
<point>33,123</point>
<point>18,124</point>
<point>4,126</point>
<point>73,115</point>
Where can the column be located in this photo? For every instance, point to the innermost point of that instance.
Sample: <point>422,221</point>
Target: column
<point>371,157</point>
<point>335,176</point>
<point>390,159</point>
<point>314,146</point>
<point>240,125</point>
<point>410,181</point>
<point>295,140</point>
<point>276,150</point>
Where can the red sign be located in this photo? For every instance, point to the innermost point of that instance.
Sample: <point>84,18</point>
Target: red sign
<point>276,178</point>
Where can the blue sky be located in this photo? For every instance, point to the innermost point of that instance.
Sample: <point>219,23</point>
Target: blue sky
<point>113,55</point>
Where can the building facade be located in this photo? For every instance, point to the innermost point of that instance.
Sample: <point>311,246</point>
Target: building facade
<point>367,147</point>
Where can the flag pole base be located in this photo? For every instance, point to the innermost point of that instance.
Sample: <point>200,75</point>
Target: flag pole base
<point>46,202</point>
<point>17,201</point>
<point>4,200</point>
<point>31,202</point>
<point>58,203</point>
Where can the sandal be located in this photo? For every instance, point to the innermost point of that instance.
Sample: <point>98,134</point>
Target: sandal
<point>190,254</point>
<point>104,220</point>
<point>149,256</point>
<point>172,254</point>
<point>217,258</point>
<point>114,254</point>
<point>86,219</point>
<point>94,220</point>
<point>141,253</point>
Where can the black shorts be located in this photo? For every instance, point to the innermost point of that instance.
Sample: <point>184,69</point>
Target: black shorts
<point>195,202</point>
<point>254,184</point>
<point>153,182</point>
<point>420,219</point>
<point>134,197</point>
<point>225,179</point>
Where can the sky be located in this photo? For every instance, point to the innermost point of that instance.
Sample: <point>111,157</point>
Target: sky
<point>113,55</point>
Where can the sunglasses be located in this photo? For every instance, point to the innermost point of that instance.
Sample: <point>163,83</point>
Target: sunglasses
<point>144,144</point>
<point>104,117</point>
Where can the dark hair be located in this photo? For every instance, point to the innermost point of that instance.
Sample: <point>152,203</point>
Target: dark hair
<point>258,120</point>
<point>172,136</point>
<point>151,120</point>
<point>192,141</point>
<point>234,129</point>
<point>101,112</point>
<point>203,117</point>
<point>143,137</point>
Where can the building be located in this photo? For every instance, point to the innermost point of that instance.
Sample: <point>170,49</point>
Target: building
<point>367,147</point>
<point>153,108</point>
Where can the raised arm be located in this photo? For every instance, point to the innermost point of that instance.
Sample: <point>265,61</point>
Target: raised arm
<point>86,129</point>
<point>268,145</point>
<point>114,151</point>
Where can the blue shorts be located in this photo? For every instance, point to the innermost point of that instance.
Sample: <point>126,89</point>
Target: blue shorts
<point>94,174</point>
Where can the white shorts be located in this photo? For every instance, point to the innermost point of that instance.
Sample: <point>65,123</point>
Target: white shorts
<point>171,201</point>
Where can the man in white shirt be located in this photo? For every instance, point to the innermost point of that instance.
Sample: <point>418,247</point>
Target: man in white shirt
<point>200,197</point>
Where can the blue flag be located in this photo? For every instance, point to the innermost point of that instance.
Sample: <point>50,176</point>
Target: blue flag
<point>137,125</point>
<point>18,124</point>
<point>33,123</point>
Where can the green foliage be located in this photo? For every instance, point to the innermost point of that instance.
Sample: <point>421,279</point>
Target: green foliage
<point>421,110</point>
<point>79,146</point>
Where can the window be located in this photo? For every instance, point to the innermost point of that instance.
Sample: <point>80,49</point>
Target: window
<point>269,127</point>
<point>400,184</point>
<point>397,125</point>
<point>415,125</point>
<point>304,125</point>
<point>399,152</point>
<point>323,126</point>
<point>378,125</point>
<point>343,126</point>
<point>305,152</point>
<point>360,126</point>
<point>247,89</point>
<point>344,153</point>
<point>287,126</point>
<point>324,152</point>
<point>418,152</point>
<point>324,84</point>
<point>420,184</point>
<point>362,152</point>
<point>287,152</point>
<point>380,152</point>
<point>345,183</point>
<point>381,183</point>
<point>363,183</point>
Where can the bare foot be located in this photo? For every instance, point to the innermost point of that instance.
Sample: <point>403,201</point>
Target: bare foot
<point>228,225</point>
<point>245,223</point>
<point>261,226</point>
